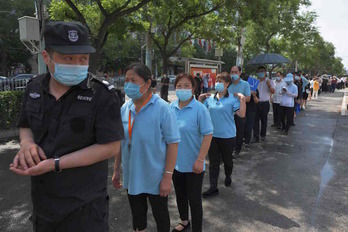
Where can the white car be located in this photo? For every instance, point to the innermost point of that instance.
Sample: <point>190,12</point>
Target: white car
<point>172,79</point>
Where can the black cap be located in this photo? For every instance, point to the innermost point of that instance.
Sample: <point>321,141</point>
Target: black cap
<point>67,38</point>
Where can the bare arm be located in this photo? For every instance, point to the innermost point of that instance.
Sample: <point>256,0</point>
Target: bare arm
<point>247,99</point>
<point>166,182</point>
<point>198,165</point>
<point>242,108</point>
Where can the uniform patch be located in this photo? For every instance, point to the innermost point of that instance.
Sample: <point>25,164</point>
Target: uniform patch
<point>73,36</point>
<point>34,95</point>
<point>84,98</point>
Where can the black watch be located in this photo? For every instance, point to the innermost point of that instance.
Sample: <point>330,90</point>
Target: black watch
<point>56,165</point>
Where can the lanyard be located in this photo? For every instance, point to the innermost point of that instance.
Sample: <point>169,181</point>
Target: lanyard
<point>130,123</point>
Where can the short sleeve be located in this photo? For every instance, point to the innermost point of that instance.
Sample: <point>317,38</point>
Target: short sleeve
<point>108,123</point>
<point>247,90</point>
<point>170,130</point>
<point>236,104</point>
<point>22,121</point>
<point>205,123</point>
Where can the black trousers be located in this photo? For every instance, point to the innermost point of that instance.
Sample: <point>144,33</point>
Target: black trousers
<point>287,115</point>
<point>262,110</point>
<point>159,205</point>
<point>240,123</point>
<point>220,148</point>
<point>188,190</point>
<point>92,217</point>
<point>276,113</point>
<point>164,93</point>
<point>248,126</point>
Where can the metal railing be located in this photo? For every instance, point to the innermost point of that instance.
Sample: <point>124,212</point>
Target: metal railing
<point>13,85</point>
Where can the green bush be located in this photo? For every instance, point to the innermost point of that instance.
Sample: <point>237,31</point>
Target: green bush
<point>10,106</point>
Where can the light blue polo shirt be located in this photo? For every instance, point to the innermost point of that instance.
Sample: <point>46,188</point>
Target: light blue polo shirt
<point>143,164</point>
<point>194,122</point>
<point>242,87</point>
<point>222,115</point>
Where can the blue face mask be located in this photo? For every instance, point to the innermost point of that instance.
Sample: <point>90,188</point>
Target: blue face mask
<point>234,77</point>
<point>297,78</point>
<point>133,90</point>
<point>288,82</point>
<point>261,75</point>
<point>183,94</point>
<point>219,87</point>
<point>69,75</point>
<point>278,78</point>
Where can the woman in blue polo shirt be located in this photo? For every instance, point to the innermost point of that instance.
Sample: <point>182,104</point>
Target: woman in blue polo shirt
<point>222,107</point>
<point>196,131</point>
<point>149,149</point>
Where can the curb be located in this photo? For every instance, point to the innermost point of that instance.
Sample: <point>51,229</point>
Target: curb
<point>9,134</point>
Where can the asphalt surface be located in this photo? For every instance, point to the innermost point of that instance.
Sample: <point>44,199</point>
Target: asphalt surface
<point>297,182</point>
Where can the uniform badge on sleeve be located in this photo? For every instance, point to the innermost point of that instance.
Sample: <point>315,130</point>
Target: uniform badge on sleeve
<point>34,95</point>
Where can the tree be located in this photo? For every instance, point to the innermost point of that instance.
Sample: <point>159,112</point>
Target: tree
<point>177,21</point>
<point>12,51</point>
<point>102,17</point>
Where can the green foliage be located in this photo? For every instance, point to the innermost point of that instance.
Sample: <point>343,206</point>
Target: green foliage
<point>12,51</point>
<point>10,102</point>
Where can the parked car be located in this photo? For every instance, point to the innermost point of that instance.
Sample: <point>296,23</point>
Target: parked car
<point>18,82</point>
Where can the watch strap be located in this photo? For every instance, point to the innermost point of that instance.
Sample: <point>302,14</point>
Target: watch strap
<point>56,165</point>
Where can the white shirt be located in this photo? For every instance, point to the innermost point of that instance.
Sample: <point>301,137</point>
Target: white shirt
<point>264,92</point>
<point>287,98</point>
<point>278,88</point>
<point>311,84</point>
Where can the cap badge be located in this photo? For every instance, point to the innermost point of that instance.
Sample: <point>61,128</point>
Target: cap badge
<point>73,36</point>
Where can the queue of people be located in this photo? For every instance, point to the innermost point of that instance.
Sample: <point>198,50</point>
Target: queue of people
<point>71,123</point>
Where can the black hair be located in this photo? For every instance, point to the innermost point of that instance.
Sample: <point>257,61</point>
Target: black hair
<point>261,67</point>
<point>239,68</point>
<point>141,69</point>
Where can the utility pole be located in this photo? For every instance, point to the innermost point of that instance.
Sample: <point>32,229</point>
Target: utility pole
<point>39,12</point>
<point>148,60</point>
<point>239,59</point>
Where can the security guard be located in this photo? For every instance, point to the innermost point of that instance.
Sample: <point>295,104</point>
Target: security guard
<point>69,126</point>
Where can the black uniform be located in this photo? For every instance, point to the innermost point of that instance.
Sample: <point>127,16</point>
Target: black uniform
<point>86,114</point>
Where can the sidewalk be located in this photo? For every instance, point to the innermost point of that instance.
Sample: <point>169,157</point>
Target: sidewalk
<point>297,182</point>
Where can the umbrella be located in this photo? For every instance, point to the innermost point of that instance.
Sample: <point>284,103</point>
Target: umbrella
<point>268,58</point>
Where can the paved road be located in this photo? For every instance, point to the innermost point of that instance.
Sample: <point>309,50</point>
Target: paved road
<point>297,182</point>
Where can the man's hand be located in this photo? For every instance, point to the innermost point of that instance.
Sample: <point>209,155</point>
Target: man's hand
<point>268,83</point>
<point>165,185</point>
<point>39,169</point>
<point>198,166</point>
<point>28,156</point>
<point>116,179</point>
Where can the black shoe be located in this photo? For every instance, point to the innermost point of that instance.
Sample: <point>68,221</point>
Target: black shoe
<point>210,192</point>
<point>273,125</point>
<point>263,138</point>
<point>279,127</point>
<point>184,229</point>
<point>228,181</point>
<point>292,124</point>
<point>236,155</point>
<point>256,140</point>
<point>285,133</point>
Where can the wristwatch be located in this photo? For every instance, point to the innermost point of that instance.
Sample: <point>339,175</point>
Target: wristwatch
<point>56,165</point>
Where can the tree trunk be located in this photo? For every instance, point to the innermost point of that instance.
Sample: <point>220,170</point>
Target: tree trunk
<point>165,59</point>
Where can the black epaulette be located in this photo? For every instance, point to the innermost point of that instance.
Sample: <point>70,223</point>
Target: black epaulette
<point>93,78</point>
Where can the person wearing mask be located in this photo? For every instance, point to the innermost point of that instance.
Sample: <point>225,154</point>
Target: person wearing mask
<point>250,115</point>
<point>298,99</point>
<point>265,88</point>
<point>70,125</point>
<point>316,88</point>
<point>198,85</point>
<point>276,100</point>
<point>196,131</point>
<point>222,106</point>
<point>164,87</point>
<point>239,86</point>
<point>305,87</point>
<point>148,151</point>
<point>288,92</point>
<point>205,83</point>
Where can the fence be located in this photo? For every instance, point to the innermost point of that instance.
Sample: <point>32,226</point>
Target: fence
<point>13,85</point>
